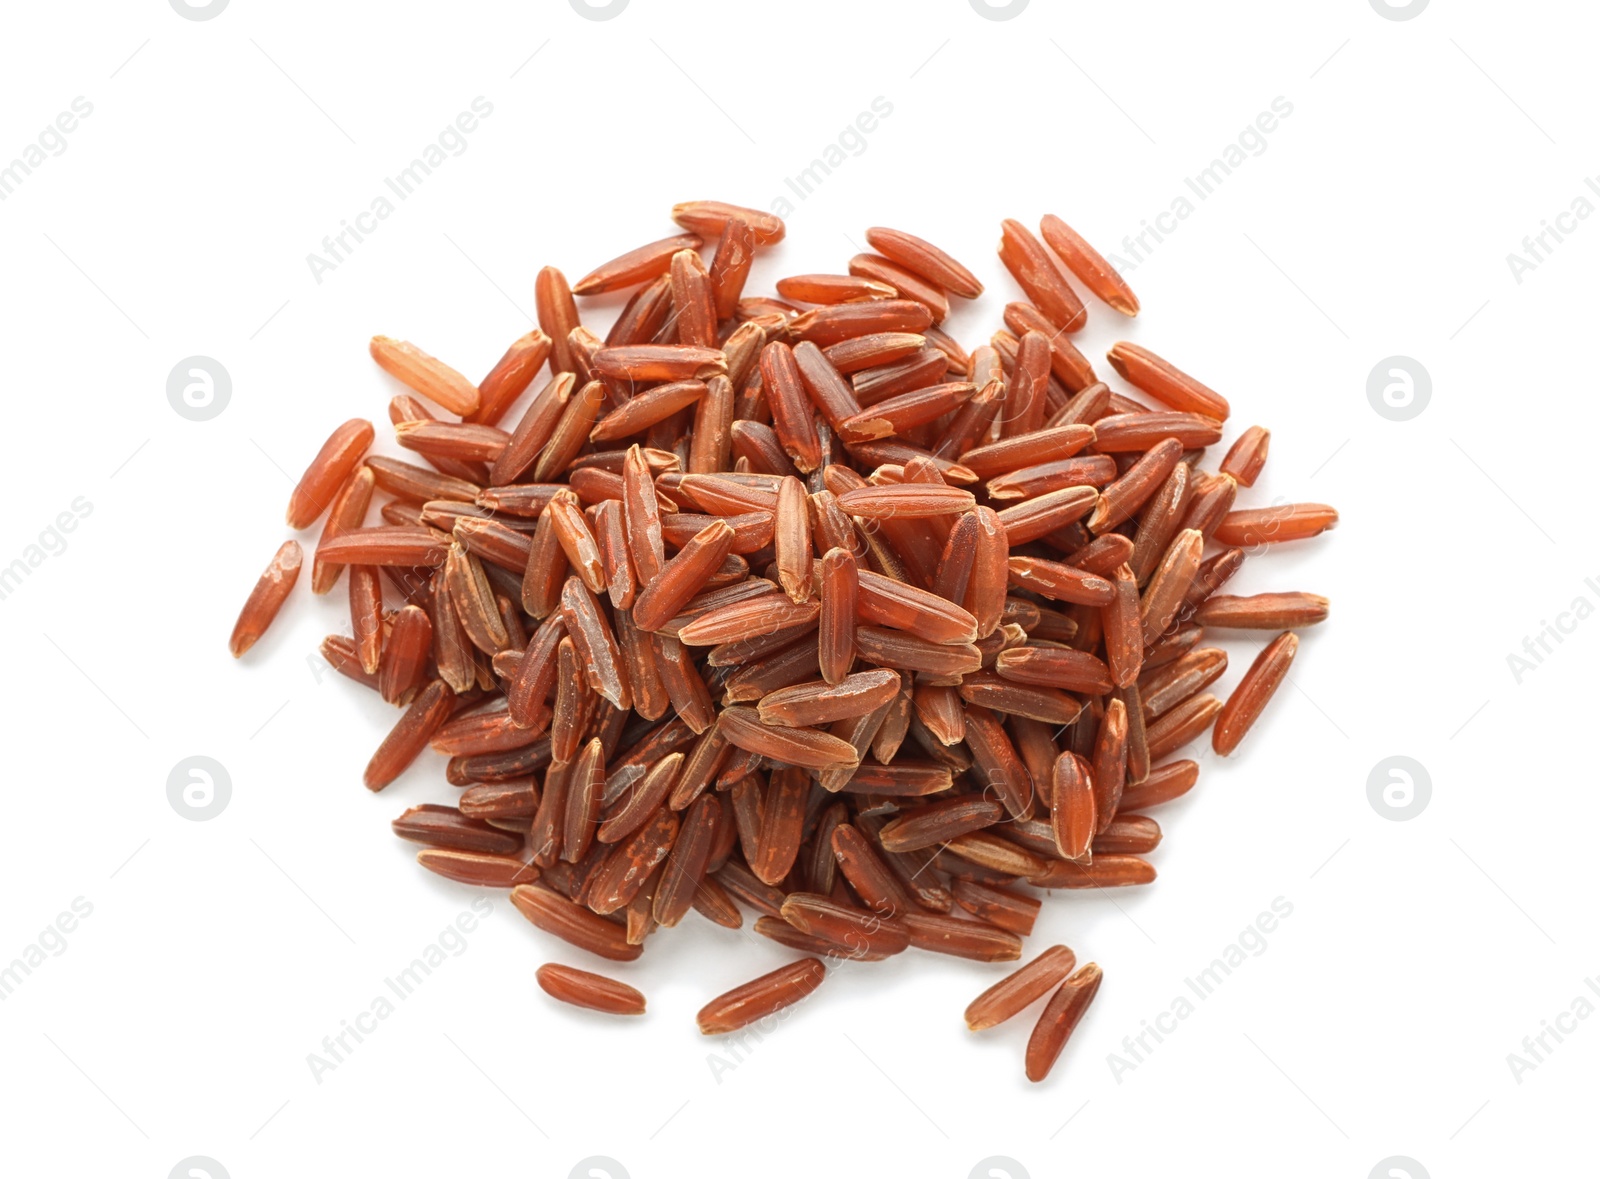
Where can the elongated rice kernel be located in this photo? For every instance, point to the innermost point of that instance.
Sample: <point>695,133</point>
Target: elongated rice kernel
<point>798,746</point>
<point>836,630</point>
<point>1163,784</point>
<point>584,989</point>
<point>903,283</point>
<point>1175,682</point>
<point>567,439</point>
<point>1175,729</point>
<point>790,406</point>
<point>1263,611</point>
<point>730,265</point>
<point>404,662</point>
<point>709,217</point>
<point>267,598</point>
<point>937,822</point>
<point>1061,1016</point>
<point>446,827</point>
<point>1004,908</point>
<point>335,463</point>
<point>961,938</point>
<point>1019,989</point>
<point>1074,818</point>
<point>680,577</point>
<point>1125,433</point>
<point>348,511</point>
<point>1128,834</point>
<point>634,267</point>
<point>1247,456</point>
<point>572,923</point>
<point>822,702</point>
<point>557,314</point>
<point>1249,699</point>
<point>692,299</point>
<point>865,932</point>
<point>926,260</point>
<point>410,735</point>
<point>1108,769</point>
<point>1040,277</point>
<point>1168,585</point>
<point>792,539</point>
<point>1090,268</point>
<point>761,997</point>
<point>906,501</point>
<point>685,868</point>
<point>1270,525</point>
<point>432,378</point>
<point>477,868</point>
<point>1146,371</point>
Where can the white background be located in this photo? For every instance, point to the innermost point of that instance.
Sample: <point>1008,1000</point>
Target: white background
<point>1377,221</point>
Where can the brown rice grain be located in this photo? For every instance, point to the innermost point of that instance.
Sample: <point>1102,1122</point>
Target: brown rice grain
<point>1040,277</point>
<point>1283,522</point>
<point>1247,456</point>
<point>896,281</point>
<point>1085,262</point>
<point>761,997</point>
<point>1020,989</point>
<point>925,259</point>
<point>267,598</point>
<point>573,923</point>
<point>1149,373</point>
<point>335,463</point>
<point>1061,1016</point>
<point>580,988</point>
<point>410,735</point>
<point>424,374</point>
<point>1263,611</point>
<point>638,265</point>
<point>1249,699</point>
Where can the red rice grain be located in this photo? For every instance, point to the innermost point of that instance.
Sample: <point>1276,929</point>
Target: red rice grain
<point>1020,989</point>
<point>799,606</point>
<point>1061,1016</point>
<point>594,991</point>
<point>761,997</point>
<point>267,598</point>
